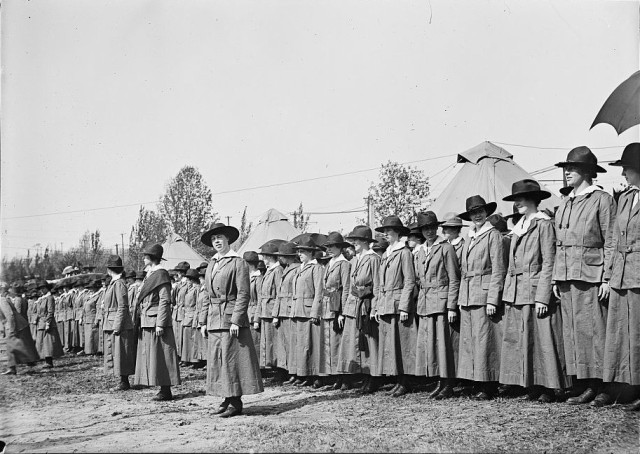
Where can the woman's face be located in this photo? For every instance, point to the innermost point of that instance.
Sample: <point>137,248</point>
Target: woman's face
<point>220,242</point>
<point>525,206</point>
<point>450,233</point>
<point>430,232</point>
<point>334,251</point>
<point>305,256</point>
<point>392,235</point>
<point>575,176</point>
<point>359,246</point>
<point>478,217</point>
<point>147,260</point>
<point>631,175</point>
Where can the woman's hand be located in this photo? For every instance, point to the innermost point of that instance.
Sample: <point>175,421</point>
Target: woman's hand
<point>159,331</point>
<point>376,317</point>
<point>603,291</point>
<point>491,310</point>
<point>541,310</point>
<point>256,326</point>
<point>117,333</point>
<point>341,321</point>
<point>453,315</point>
<point>315,320</point>
<point>556,291</point>
<point>234,330</point>
<point>404,316</point>
<point>203,330</point>
<point>276,321</point>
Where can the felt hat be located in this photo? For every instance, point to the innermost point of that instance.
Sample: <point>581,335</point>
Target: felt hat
<point>275,241</point>
<point>182,267</point>
<point>261,265</point>
<point>219,228</point>
<point>202,271</point>
<point>451,219</point>
<point>414,230</point>
<point>203,265</point>
<point>427,219</point>
<point>251,257</point>
<point>308,244</point>
<point>193,274</point>
<point>155,251</point>
<point>335,239</point>
<point>67,270</point>
<point>476,202</point>
<point>498,222</point>
<point>630,157</point>
<point>361,232</point>
<point>114,263</point>
<point>269,248</point>
<point>381,245</point>
<point>527,188</point>
<point>287,249</point>
<point>141,274</point>
<point>583,157</point>
<point>393,222</point>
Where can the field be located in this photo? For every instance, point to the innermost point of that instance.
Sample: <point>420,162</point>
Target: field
<point>71,408</point>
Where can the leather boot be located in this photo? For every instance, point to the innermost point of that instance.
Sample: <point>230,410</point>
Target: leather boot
<point>338,384</point>
<point>223,406</point>
<point>10,371</point>
<point>163,395</point>
<point>403,387</point>
<point>292,380</point>
<point>298,381</point>
<point>318,383</point>
<point>436,391</point>
<point>48,362</point>
<point>601,400</point>
<point>393,390</point>
<point>347,384</point>
<point>587,396</point>
<point>124,383</point>
<point>547,396</point>
<point>446,391</point>
<point>234,408</point>
<point>633,406</point>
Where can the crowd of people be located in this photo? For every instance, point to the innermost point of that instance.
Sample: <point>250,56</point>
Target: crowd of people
<point>548,309</point>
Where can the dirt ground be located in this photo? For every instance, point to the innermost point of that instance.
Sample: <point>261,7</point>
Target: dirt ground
<point>72,409</point>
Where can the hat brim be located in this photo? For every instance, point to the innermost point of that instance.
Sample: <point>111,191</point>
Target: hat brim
<point>342,245</point>
<point>117,269</point>
<point>403,231</point>
<point>152,254</point>
<point>451,224</point>
<point>538,195</point>
<point>595,167</point>
<point>229,231</point>
<point>281,254</point>
<point>621,163</point>
<point>361,238</point>
<point>309,248</point>
<point>431,224</point>
<point>490,208</point>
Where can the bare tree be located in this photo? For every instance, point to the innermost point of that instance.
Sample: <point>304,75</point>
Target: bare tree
<point>300,219</point>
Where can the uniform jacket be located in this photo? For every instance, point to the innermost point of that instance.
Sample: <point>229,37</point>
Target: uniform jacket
<point>32,305</point>
<point>181,290</point>
<point>68,304</point>
<point>46,311</point>
<point>483,270</point>
<point>60,310</point>
<point>363,285</point>
<point>21,305</point>
<point>12,320</point>
<point>116,307</point>
<point>458,247</point>
<point>78,304</point>
<point>255,280</point>
<point>438,276</point>
<point>336,283</point>
<point>91,308</point>
<point>307,291</point>
<point>623,267</point>
<point>531,259</point>
<point>201,300</point>
<point>132,294</point>
<point>269,291</point>
<point>228,287</point>
<point>190,303</point>
<point>583,243</point>
<point>397,282</point>
<point>155,306</point>
<point>283,305</point>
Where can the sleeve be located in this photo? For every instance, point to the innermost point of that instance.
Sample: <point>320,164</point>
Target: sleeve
<point>612,238</point>
<point>606,214</point>
<point>498,270</point>
<point>409,281</point>
<point>345,277</point>
<point>164,306</point>
<point>276,304</point>
<point>375,280</point>
<point>122,299</point>
<point>9,317</point>
<point>242,295</point>
<point>21,305</point>
<point>204,309</point>
<point>51,309</point>
<point>316,274</point>
<point>453,272</point>
<point>548,251</point>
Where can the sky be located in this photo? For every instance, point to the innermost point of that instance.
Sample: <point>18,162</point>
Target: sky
<point>104,101</point>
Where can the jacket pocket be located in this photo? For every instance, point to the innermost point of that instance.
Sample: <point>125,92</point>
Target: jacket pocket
<point>485,281</point>
<point>229,307</point>
<point>592,256</point>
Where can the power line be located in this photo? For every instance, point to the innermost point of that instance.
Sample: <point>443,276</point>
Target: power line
<point>553,148</point>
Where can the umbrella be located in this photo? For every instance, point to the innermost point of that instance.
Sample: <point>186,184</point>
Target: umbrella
<point>622,108</point>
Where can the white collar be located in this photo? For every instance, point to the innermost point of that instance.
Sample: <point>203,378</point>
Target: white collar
<point>184,279</point>
<point>367,252</point>
<point>585,191</point>
<point>113,279</point>
<point>311,262</point>
<point>255,273</point>
<point>229,254</point>
<point>438,240</point>
<point>273,266</point>
<point>485,228</point>
<point>456,241</point>
<point>523,224</point>
<point>399,245</point>
<point>337,259</point>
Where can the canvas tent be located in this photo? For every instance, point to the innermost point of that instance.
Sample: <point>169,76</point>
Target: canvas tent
<point>177,250</point>
<point>272,225</point>
<point>487,170</point>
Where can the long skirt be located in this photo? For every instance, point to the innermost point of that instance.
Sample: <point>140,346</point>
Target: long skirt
<point>334,336</point>
<point>267,341</point>
<point>187,353</point>
<point>255,335</point>
<point>101,337</point>
<point>282,342</point>
<point>397,345</point>
<point>21,349</point>
<point>292,352</point>
<point>480,344</point>
<point>437,346</point>
<point>61,330</point>
<point>91,339</point>
<point>68,334</point>
<point>532,348</point>
<point>157,360</point>
<point>232,364</point>
<point>177,335</point>
<point>310,348</point>
<point>76,336</point>
<point>584,322</point>
<point>199,346</point>
<point>34,330</point>
<point>119,353</point>
<point>358,353</point>
<point>48,343</point>
<point>622,344</point>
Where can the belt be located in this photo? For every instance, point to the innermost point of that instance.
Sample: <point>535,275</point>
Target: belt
<point>520,270</point>
<point>471,274</point>
<point>597,244</point>
<point>222,300</point>
<point>626,249</point>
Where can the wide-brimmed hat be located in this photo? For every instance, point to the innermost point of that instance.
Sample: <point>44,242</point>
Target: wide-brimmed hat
<point>114,263</point>
<point>262,266</point>
<point>583,157</point>
<point>414,230</point>
<point>527,188</point>
<point>182,267</point>
<point>203,265</point>
<point>269,248</point>
<point>251,257</point>
<point>426,219</point>
<point>41,283</point>
<point>155,250</point>
<point>361,232</point>
<point>193,274</point>
<point>67,270</point>
<point>451,219</point>
<point>219,228</point>
<point>202,271</point>
<point>287,249</point>
<point>393,222</point>
<point>308,244</point>
<point>565,191</point>
<point>381,245</point>
<point>335,239</point>
<point>129,274</point>
<point>630,157</point>
<point>141,274</point>
<point>475,202</point>
<point>497,221</point>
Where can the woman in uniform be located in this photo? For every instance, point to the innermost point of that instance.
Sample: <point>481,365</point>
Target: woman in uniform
<point>232,362</point>
<point>48,342</point>
<point>19,345</point>
<point>190,317</point>
<point>268,298</point>
<point>583,246</point>
<point>89,321</point>
<point>480,300</point>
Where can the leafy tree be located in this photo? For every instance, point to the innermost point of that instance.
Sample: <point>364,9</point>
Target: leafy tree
<point>401,190</point>
<point>150,228</point>
<point>245,229</point>
<point>187,206</point>
<point>300,219</point>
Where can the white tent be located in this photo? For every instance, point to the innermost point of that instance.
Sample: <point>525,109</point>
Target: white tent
<point>489,171</point>
<point>177,250</point>
<point>271,226</point>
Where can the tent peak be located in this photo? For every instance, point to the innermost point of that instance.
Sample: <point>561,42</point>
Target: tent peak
<point>484,150</point>
<point>272,215</point>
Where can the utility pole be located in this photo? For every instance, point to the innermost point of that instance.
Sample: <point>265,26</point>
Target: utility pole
<point>122,236</point>
<point>228,220</point>
<point>117,253</point>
